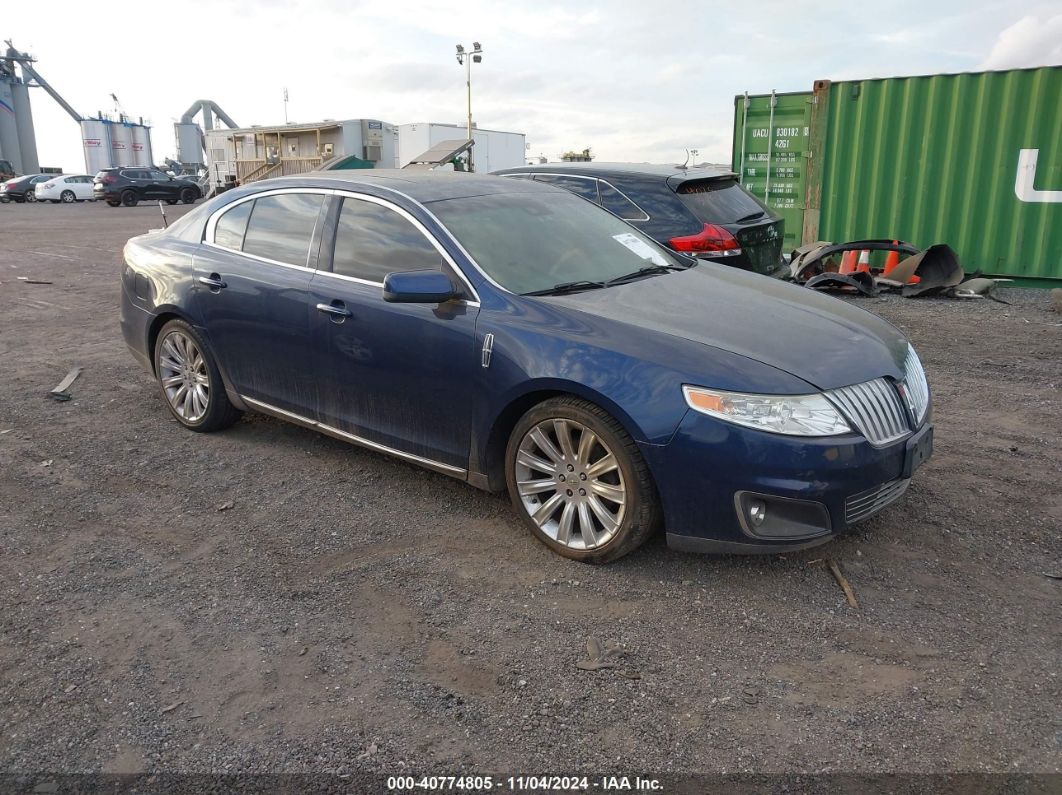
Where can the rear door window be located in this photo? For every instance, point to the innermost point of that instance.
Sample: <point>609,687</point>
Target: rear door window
<point>373,241</point>
<point>581,186</point>
<point>720,201</point>
<point>614,201</point>
<point>281,227</point>
<point>232,225</point>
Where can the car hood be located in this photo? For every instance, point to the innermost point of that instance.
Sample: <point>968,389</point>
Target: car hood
<point>824,341</point>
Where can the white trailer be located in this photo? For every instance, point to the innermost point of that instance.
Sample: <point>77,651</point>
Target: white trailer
<point>494,149</point>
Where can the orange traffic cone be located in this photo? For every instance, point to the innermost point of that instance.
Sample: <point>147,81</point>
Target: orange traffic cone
<point>848,262</point>
<point>863,266</point>
<point>891,260</point>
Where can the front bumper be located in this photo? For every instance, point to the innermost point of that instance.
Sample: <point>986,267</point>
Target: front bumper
<point>710,471</point>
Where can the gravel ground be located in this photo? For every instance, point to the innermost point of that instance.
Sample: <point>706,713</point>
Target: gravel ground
<point>269,599</point>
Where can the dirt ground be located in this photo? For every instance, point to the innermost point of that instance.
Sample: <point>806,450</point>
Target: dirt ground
<point>269,599</point>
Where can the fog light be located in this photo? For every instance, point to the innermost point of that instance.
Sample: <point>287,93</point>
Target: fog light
<point>757,512</point>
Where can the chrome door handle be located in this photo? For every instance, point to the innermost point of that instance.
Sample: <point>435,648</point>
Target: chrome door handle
<point>331,309</point>
<point>213,281</point>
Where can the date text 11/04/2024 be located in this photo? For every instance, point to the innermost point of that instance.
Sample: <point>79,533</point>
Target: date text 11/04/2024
<point>524,783</point>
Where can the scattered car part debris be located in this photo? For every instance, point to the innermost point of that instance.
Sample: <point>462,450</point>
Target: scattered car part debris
<point>47,463</point>
<point>28,280</point>
<point>937,268</point>
<point>599,657</point>
<point>60,392</point>
<point>750,695</point>
<point>835,570</point>
<point>860,281</point>
<point>816,260</point>
<point>225,506</point>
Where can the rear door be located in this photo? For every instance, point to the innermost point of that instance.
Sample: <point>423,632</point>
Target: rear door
<point>398,375</point>
<point>252,295</point>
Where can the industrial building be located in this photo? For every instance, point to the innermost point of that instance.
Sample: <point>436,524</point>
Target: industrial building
<point>493,149</point>
<point>253,153</point>
<point>107,140</point>
<point>973,160</point>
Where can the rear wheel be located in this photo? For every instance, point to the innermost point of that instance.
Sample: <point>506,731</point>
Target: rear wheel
<point>129,198</point>
<point>113,203</point>
<point>171,201</point>
<point>67,197</point>
<point>188,195</point>
<point>31,197</point>
<point>190,380</point>
<point>579,482</point>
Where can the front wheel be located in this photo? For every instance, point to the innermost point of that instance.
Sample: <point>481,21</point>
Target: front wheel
<point>579,482</point>
<point>188,196</point>
<point>190,380</point>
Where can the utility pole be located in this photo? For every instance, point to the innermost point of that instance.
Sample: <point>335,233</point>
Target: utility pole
<point>285,105</point>
<point>465,59</point>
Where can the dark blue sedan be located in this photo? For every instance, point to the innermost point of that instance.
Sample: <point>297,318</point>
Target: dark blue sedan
<point>516,336</point>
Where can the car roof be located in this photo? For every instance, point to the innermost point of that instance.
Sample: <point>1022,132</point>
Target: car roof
<point>704,171</point>
<point>422,186</point>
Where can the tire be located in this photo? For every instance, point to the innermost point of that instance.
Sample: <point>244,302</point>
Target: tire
<point>171,201</point>
<point>188,196</point>
<point>67,197</point>
<point>183,361</point>
<point>621,493</point>
<point>113,203</point>
<point>129,198</point>
<point>30,197</point>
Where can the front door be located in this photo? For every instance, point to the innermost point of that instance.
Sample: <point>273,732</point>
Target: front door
<point>252,297</point>
<point>399,375</point>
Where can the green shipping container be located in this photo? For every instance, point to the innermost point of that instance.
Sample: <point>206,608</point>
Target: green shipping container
<point>971,160</point>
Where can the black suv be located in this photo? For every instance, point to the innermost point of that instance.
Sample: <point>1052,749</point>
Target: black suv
<point>700,211</point>
<point>21,189</point>
<point>129,184</point>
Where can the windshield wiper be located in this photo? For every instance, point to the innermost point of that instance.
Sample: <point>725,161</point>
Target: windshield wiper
<point>751,217</point>
<point>652,270</point>
<point>569,287</point>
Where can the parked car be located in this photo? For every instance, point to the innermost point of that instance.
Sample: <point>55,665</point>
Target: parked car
<point>517,337</point>
<point>129,185</point>
<point>21,189</point>
<point>65,188</point>
<point>702,211</point>
<point>7,171</point>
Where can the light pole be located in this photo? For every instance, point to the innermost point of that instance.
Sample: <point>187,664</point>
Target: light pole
<point>465,59</point>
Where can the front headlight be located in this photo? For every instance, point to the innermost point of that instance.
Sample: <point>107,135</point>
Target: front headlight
<point>794,415</point>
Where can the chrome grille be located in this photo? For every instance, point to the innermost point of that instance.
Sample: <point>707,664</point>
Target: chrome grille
<point>860,506</point>
<point>875,409</point>
<point>917,386</point>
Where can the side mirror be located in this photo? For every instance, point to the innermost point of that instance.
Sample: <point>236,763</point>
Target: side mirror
<point>417,287</point>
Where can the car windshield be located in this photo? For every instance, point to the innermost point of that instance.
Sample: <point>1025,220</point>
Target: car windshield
<point>528,242</point>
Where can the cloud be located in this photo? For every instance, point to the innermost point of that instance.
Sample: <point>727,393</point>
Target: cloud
<point>1031,41</point>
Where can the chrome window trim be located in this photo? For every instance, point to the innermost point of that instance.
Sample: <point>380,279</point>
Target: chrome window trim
<point>212,222</point>
<point>532,174</point>
<point>346,193</point>
<point>424,207</point>
<point>635,204</point>
<point>448,469</point>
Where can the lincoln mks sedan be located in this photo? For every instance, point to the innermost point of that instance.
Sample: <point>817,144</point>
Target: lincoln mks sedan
<point>515,336</point>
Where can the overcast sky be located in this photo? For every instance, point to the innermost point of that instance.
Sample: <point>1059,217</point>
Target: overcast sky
<point>634,80</point>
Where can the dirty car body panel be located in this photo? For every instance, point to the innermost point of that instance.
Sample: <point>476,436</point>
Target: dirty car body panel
<point>441,384</point>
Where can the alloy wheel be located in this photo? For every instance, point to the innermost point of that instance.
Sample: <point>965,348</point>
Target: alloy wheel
<point>570,483</point>
<point>67,197</point>
<point>184,376</point>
